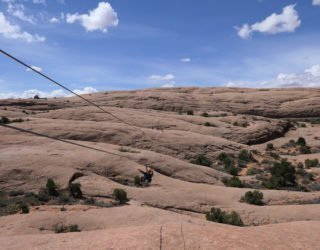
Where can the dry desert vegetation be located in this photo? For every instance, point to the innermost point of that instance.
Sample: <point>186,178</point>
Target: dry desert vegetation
<point>234,169</point>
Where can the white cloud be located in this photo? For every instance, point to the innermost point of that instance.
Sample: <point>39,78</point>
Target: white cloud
<point>166,81</point>
<point>167,77</point>
<point>18,10</point>
<point>39,1</point>
<point>86,90</point>
<point>54,20</point>
<point>35,68</point>
<point>287,21</point>
<point>98,19</point>
<point>309,79</point>
<point>55,93</point>
<point>168,85</point>
<point>316,2</point>
<point>185,60</point>
<point>12,31</point>
<point>314,70</point>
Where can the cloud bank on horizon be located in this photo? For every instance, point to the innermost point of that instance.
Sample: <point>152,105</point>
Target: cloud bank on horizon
<point>261,44</point>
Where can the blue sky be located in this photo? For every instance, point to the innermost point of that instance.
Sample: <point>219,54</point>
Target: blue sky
<point>125,44</point>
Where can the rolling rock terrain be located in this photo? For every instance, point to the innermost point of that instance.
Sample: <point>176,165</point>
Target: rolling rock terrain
<point>208,147</point>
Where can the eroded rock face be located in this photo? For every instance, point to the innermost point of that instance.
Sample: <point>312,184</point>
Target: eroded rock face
<point>163,136</point>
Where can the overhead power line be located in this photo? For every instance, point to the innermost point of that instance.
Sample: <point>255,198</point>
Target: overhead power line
<point>64,87</point>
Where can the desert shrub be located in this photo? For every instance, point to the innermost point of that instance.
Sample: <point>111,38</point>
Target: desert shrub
<point>301,141</point>
<point>43,195</point>
<point>205,114</point>
<point>60,228</point>
<point>311,163</point>
<point>208,124</point>
<point>252,171</point>
<point>300,165</point>
<point>75,190</point>
<point>270,147</point>
<point>236,124</point>
<point>222,156</point>
<point>51,188</point>
<point>4,120</point>
<point>302,188</point>
<point>233,182</point>
<point>24,208</point>
<point>219,216</point>
<point>64,198</point>
<point>90,201</point>
<point>245,156</point>
<point>275,155</point>
<point>12,209</point>
<point>16,193</point>
<point>232,169</point>
<point>137,180</point>
<point>202,160</point>
<point>254,198</point>
<point>305,150</point>
<point>190,112</point>
<point>282,175</point>
<point>74,228</point>
<point>120,195</point>
<point>36,97</point>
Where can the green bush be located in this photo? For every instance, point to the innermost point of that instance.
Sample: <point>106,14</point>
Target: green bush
<point>208,124</point>
<point>305,150</point>
<point>51,188</point>
<point>60,228</point>
<point>74,228</point>
<point>245,156</point>
<point>311,163</point>
<point>282,175</point>
<point>270,147</point>
<point>233,182</point>
<point>190,112</point>
<point>254,198</point>
<point>137,181</point>
<point>205,114</point>
<point>75,190</point>
<point>4,120</point>
<point>43,195</point>
<point>252,171</point>
<point>12,209</point>
<point>233,170</point>
<point>201,160</point>
<point>219,216</point>
<point>301,142</point>
<point>24,208</point>
<point>120,195</point>
<point>16,193</point>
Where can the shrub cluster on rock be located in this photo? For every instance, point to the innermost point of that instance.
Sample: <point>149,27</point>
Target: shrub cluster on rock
<point>61,228</point>
<point>282,175</point>
<point>253,197</point>
<point>202,160</point>
<point>219,216</point>
<point>120,195</point>
<point>233,182</point>
<point>311,163</point>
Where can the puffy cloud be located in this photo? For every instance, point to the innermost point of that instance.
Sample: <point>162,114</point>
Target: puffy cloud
<point>55,93</point>
<point>54,20</point>
<point>314,70</point>
<point>287,21</point>
<point>86,90</point>
<point>166,81</point>
<point>18,10</point>
<point>12,31</point>
<point>98,19</point>
<point>309,79</point>
<point>35,68</point>
<point>39,1</point>
<point>316,2</point>
<point>185,59</point>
